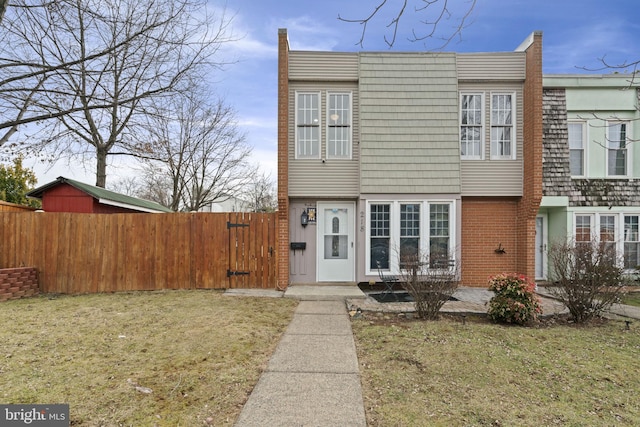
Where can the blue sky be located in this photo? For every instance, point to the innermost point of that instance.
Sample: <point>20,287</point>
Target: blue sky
<point>576,34</point>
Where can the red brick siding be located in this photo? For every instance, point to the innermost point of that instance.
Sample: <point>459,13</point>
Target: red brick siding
<point>16,283</point>
<point>283,159</point>
<point>532,159</point>
<point>486,224</point>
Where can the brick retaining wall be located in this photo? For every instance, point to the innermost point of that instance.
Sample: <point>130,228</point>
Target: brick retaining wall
<point>16,283</point>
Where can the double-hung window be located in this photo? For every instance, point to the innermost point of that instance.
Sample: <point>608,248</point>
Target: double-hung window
<point>617,148</point>
<point>439,235</point>
<point>380,229</point>
<point>471,121</point>
<point>631,241</point>
<point>583,229</point>
<point>307,125</point>
<point>576,132</point>
<point>409,233</point>
<point>502,126</point>
<point>339,126</point>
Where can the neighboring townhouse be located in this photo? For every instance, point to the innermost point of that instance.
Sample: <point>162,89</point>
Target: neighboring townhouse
<point>591,164</point>
<point>383,152</point>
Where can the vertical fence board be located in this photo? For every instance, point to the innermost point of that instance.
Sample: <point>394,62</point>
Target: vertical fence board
<point>83,253</point>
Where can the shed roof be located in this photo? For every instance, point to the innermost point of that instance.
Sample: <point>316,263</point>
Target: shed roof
<point>103,196</point>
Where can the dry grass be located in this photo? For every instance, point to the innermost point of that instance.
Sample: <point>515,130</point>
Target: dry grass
<point>444,373</point>
<point>199,352</point>
<point>632,298</point>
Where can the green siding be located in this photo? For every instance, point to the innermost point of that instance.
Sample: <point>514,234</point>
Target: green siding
<point>408,121</point>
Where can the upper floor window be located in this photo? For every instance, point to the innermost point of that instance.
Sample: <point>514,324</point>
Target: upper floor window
<point>307,125</point>
<point>471,126</point>
<point>339,126</point>
<point>576,148</point>
<point>502,126</point>
<point>617,148</point>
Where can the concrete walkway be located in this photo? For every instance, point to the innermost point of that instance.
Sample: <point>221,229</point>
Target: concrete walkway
<point>313,378</point>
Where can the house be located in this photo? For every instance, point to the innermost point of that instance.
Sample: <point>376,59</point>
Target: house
<point>227,203</point>
<point>68,195</point>
<point>383,152</point>
<point>591,177</point>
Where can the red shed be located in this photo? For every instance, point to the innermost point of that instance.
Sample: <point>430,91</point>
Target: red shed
<point>67,195</point>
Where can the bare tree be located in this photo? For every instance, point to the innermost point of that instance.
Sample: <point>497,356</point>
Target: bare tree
<point>88,70</point>
<point>3,8</point>
<point>261,193</point>
<point>433,14</point>
<point>198,151</point>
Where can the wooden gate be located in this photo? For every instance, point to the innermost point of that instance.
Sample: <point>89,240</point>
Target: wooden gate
<point>252,243</point>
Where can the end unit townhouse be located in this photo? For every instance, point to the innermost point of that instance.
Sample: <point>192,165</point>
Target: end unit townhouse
<point>591,164</point>
<point>432,152</point>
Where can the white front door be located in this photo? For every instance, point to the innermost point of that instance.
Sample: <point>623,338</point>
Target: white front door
<point>336,248</point>
<point>541,247</point>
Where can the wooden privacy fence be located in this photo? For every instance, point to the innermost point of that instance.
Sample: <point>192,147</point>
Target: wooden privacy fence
<point>87,253</point>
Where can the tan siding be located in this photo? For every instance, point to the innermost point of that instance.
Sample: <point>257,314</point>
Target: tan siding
<point>409,120</point>
<point>491,66</point>
<point>334,66</point>
<point>494,177</point>
<point>335,177</point>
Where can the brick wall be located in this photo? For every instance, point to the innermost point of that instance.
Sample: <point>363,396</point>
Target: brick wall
<point>16,283</point>
<point>283,159</point>
<point>488,223</point>
<point>532,160</point>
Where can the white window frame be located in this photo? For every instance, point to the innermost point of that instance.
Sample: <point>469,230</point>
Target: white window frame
<point>493,147</point>
<point>625,236</point>
<point>298,154</point>
<point>348,125</point>
<point>394,229</point>
<point>628,130</point>
<point>583,126</point>
<point>480,155</point>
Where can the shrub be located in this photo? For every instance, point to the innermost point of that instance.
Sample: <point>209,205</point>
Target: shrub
<point>430,283</point>
<point>589,277</point>
<point>515,300</point>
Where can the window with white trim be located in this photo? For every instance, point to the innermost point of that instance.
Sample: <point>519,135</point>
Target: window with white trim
<point>583,228</point>
<point>307,125</point>
<point>471,126</point>
<point>502,126</point>
<point>380,232</point>
<point>439,234</point>
<point>617,148</point>
<point>339,126</point>
<point>396,230</point>
<point>631,241</point>
<point>576,131</point>
<point>409,233</point>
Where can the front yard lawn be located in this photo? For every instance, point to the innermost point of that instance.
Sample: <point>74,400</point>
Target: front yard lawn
<point>444,373</point>
<point>173,358</point>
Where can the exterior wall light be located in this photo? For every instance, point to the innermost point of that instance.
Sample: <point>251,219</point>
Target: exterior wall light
<point>304,218</point>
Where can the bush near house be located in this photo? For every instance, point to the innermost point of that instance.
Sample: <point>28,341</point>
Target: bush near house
<point>515,300</point>
<point>589,277</point>
<point>430,281</point>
